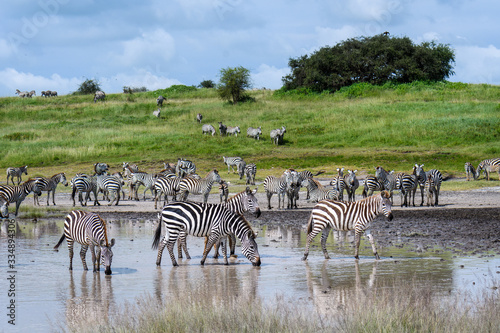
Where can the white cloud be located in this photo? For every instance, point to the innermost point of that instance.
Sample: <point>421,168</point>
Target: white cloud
<point>476,64</point>
<point>269,77</point>
<point>331,37</point>
<point>11,79</point>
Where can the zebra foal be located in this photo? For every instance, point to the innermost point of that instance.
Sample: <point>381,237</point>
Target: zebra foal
<point>16,172</point>
<point>345,216</point>
<point>88,229</point>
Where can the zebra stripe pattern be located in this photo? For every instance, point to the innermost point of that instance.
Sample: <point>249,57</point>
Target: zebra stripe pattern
<point>250,172</point>
<point>386,178</point>
<point>489,165</point>
<point>16,172</point>
<point>166,185</point>
<point>254,132</point>
<point>431,190</point>
<point>110,185</point>
<point>184,167</point>
<point>145,179</point>
<point>223,191</point>
<point>317,191</point>
<point>17,193</point>
<point>83,183</point>
<point>50,186</point>
<point>292,187</point>
<point>409,186</point>
<point>352,184</point>
<point>338,183</point>
<point>470,171</point>
<point>303,175</point>
<point>276,185</point>
<point>422,177</point>
<point>232,162</point>
<point>88,229</point>
<point>200,220</point>
<point>201,186</point>
<point>370,185</point>
<point>345,216</point>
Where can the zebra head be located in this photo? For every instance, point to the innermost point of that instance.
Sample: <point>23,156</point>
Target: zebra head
<point>249,247</point>
<point>63,179</point>
<point>418,171</point>
<point>385,205</point>
<point>4,207</point>
<point>107,255</point>
<point>214,175</point>
<point>478,169</point>
<point>250,202</point>
<point>24,170</point>
<point>35,186</point>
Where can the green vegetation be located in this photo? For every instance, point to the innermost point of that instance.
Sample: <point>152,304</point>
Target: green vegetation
<point>442,125</point>
<point>233,83</point>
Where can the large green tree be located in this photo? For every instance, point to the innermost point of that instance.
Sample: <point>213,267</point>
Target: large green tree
<point>375,60</point>
<point>232,84</point>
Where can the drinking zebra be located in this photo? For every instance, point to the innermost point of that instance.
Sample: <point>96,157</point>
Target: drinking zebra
<point>160,100</point>
<point>489,165</point>
<point>352,184</point>
<point>110,185</point>
<point>201,220</point>
<point>16,172</point>
<point>254,132</point>
<point>233,130</point>
<point>345,216</point>
<point>370,185</point>
<point>99,95</point>
<point>199,117</point>
<point>470,171</point>
<point>50,186</point>
<point>184,167</point>
<point>250,172</point>
<point>422,177</point>
<point>88,229</point>
<point>201,186</point>
<point>17,193</point>
<point>166,185</point>
<point>83,183</point>
<point>222,128</point>
<point>232,162</point>
<point>276,185</point>
<point>318,192</point>
<point>207,128</point>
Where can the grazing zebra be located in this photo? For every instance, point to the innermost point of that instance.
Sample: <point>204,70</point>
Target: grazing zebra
<point>17,193</point>
<point>157,113</point>
<point>50,186</point>
<point>370,185</point>
<point>345,216</point>
<point>199,117</point>
<point>201,220</point>
<point>222,128</point>
<point>277,135</point>
<point>232,162</point>
<point>88,229</point>
<point>99,95</point>
<point>489,165</point>
<point>422,177</point>
<point>207,128</point>
<point>470,171</point>
<point>160,100</point>
<point>198,186</point>
<point>276,185</point>
<point>254,132</point>
<point>233,130</point>
<point>223,191</point>
<point>318,192</point>
<point>83,183</point>
<point>352,184</point>
<point>166,185</point>
<point>250,172</point>
<point>110,185</point>
<point>241,168</point>
<point>16,172</point>
<point>184,167</point>
<point>145,179</point>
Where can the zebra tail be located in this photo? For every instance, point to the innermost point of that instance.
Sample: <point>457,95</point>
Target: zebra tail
<point>319,173</point>
<point>156,239</point>
<point>63,237</point>
<point>310,224</point>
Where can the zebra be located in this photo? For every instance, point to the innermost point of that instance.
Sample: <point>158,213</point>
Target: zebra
<point>292,187</point>
<point>4,207</point>
<point>198,186</point>
<point>199,117</point>
<point>111,185</point>
<point>431,190</point>
<point>17,193</point>
<point>303,175</point>
<point>241,168</point>
<point>157,113</point>
<point>31,93</point>
<point>184,167</point>
<point>88,229</point>
<point>83,183</point>
<point>470,171</point>
<point>422,177</point>
<point>408,185</point>
<point>318,192</point>
<point>352,184</point>
<point>254,132</point>
<point>46,93</point>
<point>207,128</point>
<point>145,179</point>
<point>250,172</point>
<point>232,162</point>
<point>50,186</point>
<point>222,128</point>
<point>489,165</point>
<point>370,185</point>
<point>160,100</point>
<point>276,185</point>
<point>277,135</point>
<point>166,185</point>
<point>53,94</point>
<point>233,130</point>
<point>339,184</point>
<point>99,95</point>
<point>345,216</point>
<point>223,191</point>
<point>17,172</point>
<point>388,179</point>
<point>22,94</point>
<point>200,220</point>
<point>100,168</point>
<point>131,167</point>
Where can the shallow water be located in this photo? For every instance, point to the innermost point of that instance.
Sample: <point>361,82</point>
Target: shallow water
<point>47,293</point>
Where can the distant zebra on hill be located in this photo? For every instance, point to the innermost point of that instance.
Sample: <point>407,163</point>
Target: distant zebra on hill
<point>254,132</point>
<point>199,117</point>
<point>489,165</point>
<point>99,95</point>
<point>233,130</point>
<point>207,128</point>
<point>160,100</point>
<point>277,135</point>
<point>16,172</point>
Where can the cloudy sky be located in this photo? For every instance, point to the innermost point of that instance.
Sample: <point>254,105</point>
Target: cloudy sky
<point>57,44</point>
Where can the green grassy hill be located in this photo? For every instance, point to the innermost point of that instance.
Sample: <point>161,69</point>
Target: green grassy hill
<point>442,125</point>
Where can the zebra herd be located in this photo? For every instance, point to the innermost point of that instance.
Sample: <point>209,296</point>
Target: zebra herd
<point>45,93</point>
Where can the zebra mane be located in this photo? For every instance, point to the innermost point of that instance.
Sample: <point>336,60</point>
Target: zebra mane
<point>105,229</point>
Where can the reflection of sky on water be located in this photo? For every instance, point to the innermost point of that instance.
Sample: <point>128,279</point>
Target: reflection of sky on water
<point>47,293</point>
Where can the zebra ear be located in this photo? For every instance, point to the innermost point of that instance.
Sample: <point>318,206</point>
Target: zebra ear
<point>255,191</point>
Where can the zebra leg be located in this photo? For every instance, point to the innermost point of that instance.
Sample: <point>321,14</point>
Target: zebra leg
<point>18,203</point>
<point>372,242</point>
<point>422,194</point>
<point>70,250</point>
<point>95,257</point>
<point>310,237</point>
<point>83,253</point>
<point>211,241</point>
<point>324,237</point>
<point>269,195</point>
<point>216,248</point>
<point>232,245</point>
<point>182,245</point>
<point>224,249</point>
